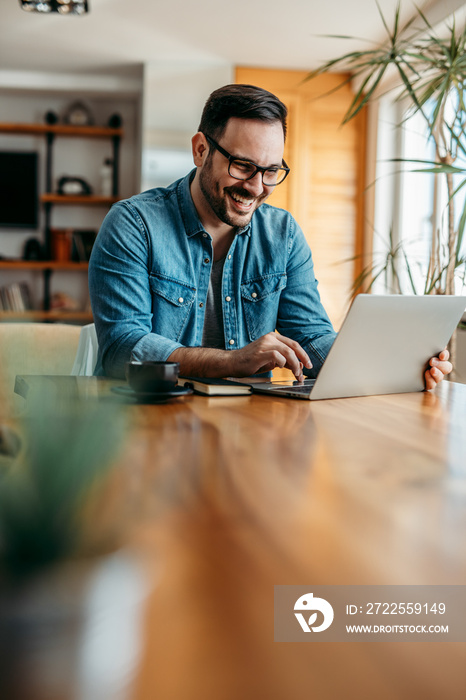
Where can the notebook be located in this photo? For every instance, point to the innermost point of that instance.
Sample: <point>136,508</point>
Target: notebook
<point>215,387</point>
<point>383,347</point>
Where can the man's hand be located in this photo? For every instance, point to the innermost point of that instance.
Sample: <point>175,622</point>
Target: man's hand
<point>262,355</point>
<point>439,367</point>
<point>270,351</point>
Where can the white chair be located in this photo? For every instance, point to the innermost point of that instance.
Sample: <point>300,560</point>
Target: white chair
<point>86,354</point>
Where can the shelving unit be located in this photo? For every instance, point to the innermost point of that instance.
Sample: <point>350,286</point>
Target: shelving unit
<point>60,129</point>
<point>49,199</point>
<point>42,265</point>
<point>46,267</point>
<point>86,199</point>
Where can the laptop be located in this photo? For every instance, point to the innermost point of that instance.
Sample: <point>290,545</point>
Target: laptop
<point>383,347</point>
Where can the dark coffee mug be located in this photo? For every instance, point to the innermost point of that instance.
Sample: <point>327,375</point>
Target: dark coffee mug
<point>151,376</point>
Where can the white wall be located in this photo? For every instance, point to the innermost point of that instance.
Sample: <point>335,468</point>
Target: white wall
<point>174,96</point>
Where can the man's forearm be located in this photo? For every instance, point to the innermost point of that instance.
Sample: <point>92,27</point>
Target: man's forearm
<point>203,362</point>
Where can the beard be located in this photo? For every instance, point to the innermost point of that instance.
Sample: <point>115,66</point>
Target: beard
<point>218,199</point>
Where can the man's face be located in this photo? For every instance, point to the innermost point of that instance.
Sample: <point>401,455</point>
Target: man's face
<point>234,201</point>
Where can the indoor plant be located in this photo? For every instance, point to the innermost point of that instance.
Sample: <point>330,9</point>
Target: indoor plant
<point>431,71</point>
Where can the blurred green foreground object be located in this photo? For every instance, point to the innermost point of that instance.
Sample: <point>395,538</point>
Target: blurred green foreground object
<point>64,451</point>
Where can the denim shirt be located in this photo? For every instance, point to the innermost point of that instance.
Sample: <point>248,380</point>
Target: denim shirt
<point>149,276</point>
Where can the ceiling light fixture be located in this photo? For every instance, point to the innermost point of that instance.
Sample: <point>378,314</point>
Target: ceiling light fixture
<point>63,7</point>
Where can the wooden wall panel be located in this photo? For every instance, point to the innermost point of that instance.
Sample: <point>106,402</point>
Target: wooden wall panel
<point>324,189</point>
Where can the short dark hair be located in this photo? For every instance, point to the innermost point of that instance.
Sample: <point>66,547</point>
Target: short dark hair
<point>243,102</point>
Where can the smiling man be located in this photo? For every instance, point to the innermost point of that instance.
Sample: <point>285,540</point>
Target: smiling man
<point>206,274</point>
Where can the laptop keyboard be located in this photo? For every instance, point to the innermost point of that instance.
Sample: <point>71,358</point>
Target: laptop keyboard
<point>296,389</point>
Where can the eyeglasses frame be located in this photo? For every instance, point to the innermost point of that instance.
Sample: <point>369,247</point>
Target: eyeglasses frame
<point>258,168</point>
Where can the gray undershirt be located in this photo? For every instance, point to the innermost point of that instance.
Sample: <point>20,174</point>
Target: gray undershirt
<point>213,335</point>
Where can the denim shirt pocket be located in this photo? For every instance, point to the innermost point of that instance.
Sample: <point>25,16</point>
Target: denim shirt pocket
<point>172,301</point>
<point>260,298</point>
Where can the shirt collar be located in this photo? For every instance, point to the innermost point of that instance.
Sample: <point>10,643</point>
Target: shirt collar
<point>191,220</point>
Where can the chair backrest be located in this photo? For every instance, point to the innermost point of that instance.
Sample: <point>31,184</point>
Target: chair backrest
<point>33,348</point>
<point>86,355</point>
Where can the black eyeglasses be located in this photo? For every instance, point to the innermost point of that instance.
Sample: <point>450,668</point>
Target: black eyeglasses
<point>246,169</point>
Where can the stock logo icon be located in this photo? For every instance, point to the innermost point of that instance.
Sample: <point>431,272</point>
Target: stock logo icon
<point>307,603</point>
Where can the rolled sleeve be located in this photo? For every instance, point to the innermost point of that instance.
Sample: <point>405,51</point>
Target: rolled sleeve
<point>154,347</point>
<point>318,349</point>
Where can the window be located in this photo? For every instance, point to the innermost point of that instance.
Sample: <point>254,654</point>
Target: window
<point>410,205</point>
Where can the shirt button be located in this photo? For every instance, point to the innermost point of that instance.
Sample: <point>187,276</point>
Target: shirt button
<point>204,235</point>
<point>207,260</point>
<point>254,295</point>
<point>227,298</point>
<point>229,257</point>
<point>181,300</point>
<point>201,305</point>
<point>231,342</point>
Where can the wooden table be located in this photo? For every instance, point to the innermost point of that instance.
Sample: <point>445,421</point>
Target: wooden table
<point>226,497</point>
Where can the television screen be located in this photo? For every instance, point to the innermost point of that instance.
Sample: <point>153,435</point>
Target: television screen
<point>18,189</point>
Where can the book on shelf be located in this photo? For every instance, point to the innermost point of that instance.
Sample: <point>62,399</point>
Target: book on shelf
<point>15,297</point>
<point>26,296</point>
<point>215,387</point>
<point>82,242</point>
